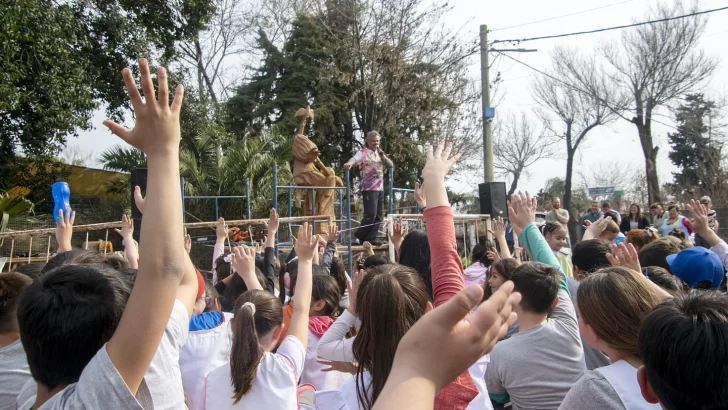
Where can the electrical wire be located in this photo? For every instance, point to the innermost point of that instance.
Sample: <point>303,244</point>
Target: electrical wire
<point>562,16</point>
<point>577,89</point>
<point>578,33</point>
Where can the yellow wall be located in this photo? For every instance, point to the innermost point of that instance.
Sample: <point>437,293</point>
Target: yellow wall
<point>89,182</point>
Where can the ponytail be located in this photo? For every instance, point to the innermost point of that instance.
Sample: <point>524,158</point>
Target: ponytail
<point>257,313</point>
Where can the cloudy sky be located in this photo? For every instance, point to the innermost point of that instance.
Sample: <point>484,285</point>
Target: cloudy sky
<point>616,145</point>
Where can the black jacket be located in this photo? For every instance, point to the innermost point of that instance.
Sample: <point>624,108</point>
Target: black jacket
<point>624,227</point>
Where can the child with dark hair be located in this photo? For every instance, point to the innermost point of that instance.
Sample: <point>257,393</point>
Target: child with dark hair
<point>477,272</point>
<point>260,378</point>
<point>556,236</point>
<point>588,256</point>
<point>664,279</point>
<point>374,260</point>
<point>536,367</point>
<point>415,253</point>
<point>684,354</point>
<point>655,253</point>
<point>32,270</point>
<point>14,372</point>
<point>114,352</point>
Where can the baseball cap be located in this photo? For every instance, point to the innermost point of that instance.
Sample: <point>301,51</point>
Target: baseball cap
<point>694,265</point>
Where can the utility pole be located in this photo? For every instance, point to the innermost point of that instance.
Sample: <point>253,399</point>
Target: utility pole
<point>485,84</point>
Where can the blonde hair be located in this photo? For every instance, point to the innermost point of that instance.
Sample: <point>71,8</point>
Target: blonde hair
<point>613,301</point>
<point>611,227</point>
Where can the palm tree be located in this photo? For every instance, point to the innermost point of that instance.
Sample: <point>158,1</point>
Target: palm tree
<point>210,169</point>
<point>122,158</point>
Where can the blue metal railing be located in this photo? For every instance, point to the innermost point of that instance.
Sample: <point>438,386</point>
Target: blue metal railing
<point>217,200</point>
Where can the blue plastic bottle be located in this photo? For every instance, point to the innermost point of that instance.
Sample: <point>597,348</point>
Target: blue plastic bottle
<point>61,198</point>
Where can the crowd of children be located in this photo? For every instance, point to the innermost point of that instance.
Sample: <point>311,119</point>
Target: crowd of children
<point>638,325</point>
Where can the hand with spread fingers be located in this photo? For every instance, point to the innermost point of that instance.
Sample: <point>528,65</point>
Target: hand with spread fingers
<point>625,256</point>
<point>353,287</point>
<point>522,210</point>
<point>420,195</point>
<point>244,264</point>
<point>594,231</point>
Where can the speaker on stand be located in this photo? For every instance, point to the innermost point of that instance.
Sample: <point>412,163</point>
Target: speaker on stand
<point>493,199</point>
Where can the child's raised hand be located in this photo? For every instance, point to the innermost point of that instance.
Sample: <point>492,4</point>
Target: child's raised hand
<point>306,243</point>
<point>188,244</point>
<point>499,228</point>
<point>221,230</point>
<point>139,200</point>
<point>352,286</point>
<point>64,229</point>
<point>625,256</point>
<point>331,235</point>
<point>439,162</point>
<point>595,230</point>
<point>243,259</point>
<point>522,210</point>
<point>157,129</point>
<point>493,255</point>
<point>273,223</point>
<point>420,195</point>
<point>449,339</point>
<point>700,217</point>
<point>127,227</point>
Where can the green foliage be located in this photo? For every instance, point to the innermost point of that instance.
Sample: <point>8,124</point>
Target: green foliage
<point>12,204</point>
<point>122,158</point>
<point>37,175</point>
<point>697,147</point>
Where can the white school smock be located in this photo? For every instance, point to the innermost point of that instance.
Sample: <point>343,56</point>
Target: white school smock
<point>623,378</point>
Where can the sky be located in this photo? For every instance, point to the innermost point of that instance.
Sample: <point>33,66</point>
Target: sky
<point>615,145</point>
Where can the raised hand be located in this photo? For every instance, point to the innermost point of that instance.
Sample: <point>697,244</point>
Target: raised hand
<point>64,229</point>
<point>188,244</point>
<point>448,340</point>
<point>334,366</point>
<point>244,264</point>
<point>625,256</point>
<point>331,235</point>
<point>221,230</point>
<point>306,243</point>
<point>499,228</point>
<point>273,223</point>
<point>700,221</point>
<point>522,210</point>
<point>439,162</point>
<point>595,229</point>
<point>157,130</point>
<point>420,195</point>
<point>353,287</point>
<point>139,200</point>
<point>493,254</point>
<point>127,227</point>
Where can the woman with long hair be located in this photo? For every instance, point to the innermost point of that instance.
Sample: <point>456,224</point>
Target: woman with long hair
<point>634,220</point>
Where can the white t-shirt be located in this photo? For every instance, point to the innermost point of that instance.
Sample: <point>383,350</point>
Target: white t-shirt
<point>14,373</point>
<point>100,387</point>
<point>275,385</point>
<point>204,351</point>
<point>312,370</point>
<point>164,377</point>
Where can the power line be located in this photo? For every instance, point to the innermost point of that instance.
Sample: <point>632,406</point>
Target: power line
<point>574,87</point>
<point>562,16</point>
<point>612,28</point>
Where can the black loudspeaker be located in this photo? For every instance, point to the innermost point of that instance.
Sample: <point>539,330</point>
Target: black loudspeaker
<point>493,199</point>
<point>138,178</point>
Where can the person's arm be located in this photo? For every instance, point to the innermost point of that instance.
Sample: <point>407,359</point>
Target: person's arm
<point>397,236</point>
<point>523,216</point>
<point>127,239</point>
<point>447,269</point>
<point>220,286</point>
<point>330,237</point>
<point>64,230</point>
<point>221,233</point>
<point>499,233</point>
<point>244,264</point>
<point>385,160</point>
<point>269,254</point>
<point>165,270</point>
<point>563,219</point>
<point>306,245</point>
<point>445,343</point>
<point>355,160</point>
<point>334,345</point>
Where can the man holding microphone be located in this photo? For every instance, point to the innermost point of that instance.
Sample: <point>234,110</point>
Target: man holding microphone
<point>371,161</point>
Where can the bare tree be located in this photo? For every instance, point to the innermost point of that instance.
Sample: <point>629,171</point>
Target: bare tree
<point>75,154</point>
<point>211,52</point>
<point>561,95</point>
<point>517,145</point>
<point>656,64</point>
<point>624,177</point>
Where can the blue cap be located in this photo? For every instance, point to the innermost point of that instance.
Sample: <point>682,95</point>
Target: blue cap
<point>694,265</point>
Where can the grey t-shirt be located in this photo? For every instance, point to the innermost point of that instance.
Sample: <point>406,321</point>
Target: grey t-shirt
<point>14,373</point>
<point>593,391</point>
<point>100,387</point>
<point>537,367</point>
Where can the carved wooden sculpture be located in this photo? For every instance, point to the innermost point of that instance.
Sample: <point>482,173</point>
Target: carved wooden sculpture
<point>308,170</point>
